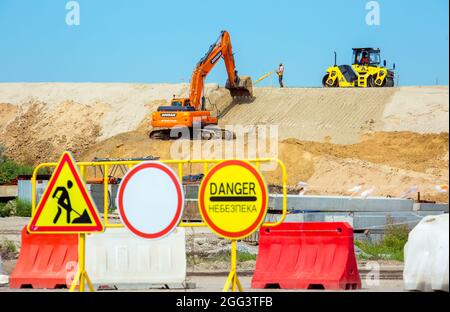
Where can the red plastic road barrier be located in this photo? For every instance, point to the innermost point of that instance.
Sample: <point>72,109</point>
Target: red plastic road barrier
<point>45,261</point>
<point>311,255</point>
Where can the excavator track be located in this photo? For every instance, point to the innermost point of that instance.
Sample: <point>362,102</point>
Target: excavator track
<point>217,134</point>
<point>205,134</point>
<point>160,134</point>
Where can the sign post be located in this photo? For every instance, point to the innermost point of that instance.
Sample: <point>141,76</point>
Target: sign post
<point>233,200</point>
<point>82,276</point>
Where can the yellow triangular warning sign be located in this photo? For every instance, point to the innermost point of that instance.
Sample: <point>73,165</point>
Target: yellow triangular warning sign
<point>66,206</point>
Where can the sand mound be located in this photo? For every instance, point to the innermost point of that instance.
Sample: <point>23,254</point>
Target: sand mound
<point>403,112</point>
<point>335,176</point>
<point>326,115</point>
<point>313,114</point>
<point>30,139</point>
<point>125,105</point>
<point>326,135</point>
<point>342,116</point>
<point>406,150</point>
<point>392,162</point>
<point>7,113</point>
<point>43,119</point>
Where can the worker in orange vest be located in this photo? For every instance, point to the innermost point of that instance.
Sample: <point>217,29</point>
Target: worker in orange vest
<point>280,73</point>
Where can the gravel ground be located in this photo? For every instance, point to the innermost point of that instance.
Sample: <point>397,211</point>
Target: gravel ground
<point>216,283</point>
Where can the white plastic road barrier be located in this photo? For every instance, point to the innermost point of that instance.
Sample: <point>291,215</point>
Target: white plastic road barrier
<point>3,277</point>
<point>426,255</point>
<point>117,258</point>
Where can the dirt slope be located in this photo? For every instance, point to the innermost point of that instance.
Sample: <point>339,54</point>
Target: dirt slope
<point>314,114</point>
<point>38,121</point>
<point>392,162</point>
<point>343,115</point>
<point>325,115</point>
<point>418,109</point>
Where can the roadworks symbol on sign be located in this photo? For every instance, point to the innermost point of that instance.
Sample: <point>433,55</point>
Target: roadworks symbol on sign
<point>66,206</point>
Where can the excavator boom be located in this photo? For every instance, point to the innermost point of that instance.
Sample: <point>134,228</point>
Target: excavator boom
<point>222,48</point>
<point>185,112</point>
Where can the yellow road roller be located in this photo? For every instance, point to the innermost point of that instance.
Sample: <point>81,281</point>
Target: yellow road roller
<point>365,71</point>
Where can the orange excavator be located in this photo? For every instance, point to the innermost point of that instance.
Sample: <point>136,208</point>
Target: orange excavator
<point>191,113</point>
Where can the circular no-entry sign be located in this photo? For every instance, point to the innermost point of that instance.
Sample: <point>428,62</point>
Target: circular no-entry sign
<point>233,199</point>
<point>150,200</point>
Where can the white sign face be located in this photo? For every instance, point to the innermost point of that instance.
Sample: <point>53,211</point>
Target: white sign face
<point>150,200</point>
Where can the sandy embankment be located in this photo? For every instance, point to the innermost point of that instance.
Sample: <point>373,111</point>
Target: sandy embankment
<point>417,109</point>
<point>39,121</point>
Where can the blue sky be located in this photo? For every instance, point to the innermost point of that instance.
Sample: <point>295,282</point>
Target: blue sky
<point>161,41</point>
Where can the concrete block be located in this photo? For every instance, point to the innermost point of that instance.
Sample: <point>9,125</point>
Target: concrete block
<point>339,203</point>
<point>432,207</point>
<point>8,191</point>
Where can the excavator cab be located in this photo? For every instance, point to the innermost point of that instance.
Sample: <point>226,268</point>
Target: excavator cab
<point>177,105</point>
<point>180,102</point>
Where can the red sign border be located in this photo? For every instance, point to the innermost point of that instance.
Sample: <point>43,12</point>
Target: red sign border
<point>259,220</point>
<point>173,224</point>
<point>98,227</point>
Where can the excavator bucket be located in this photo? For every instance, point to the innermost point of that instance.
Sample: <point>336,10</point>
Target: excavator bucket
<point>244,89</point>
